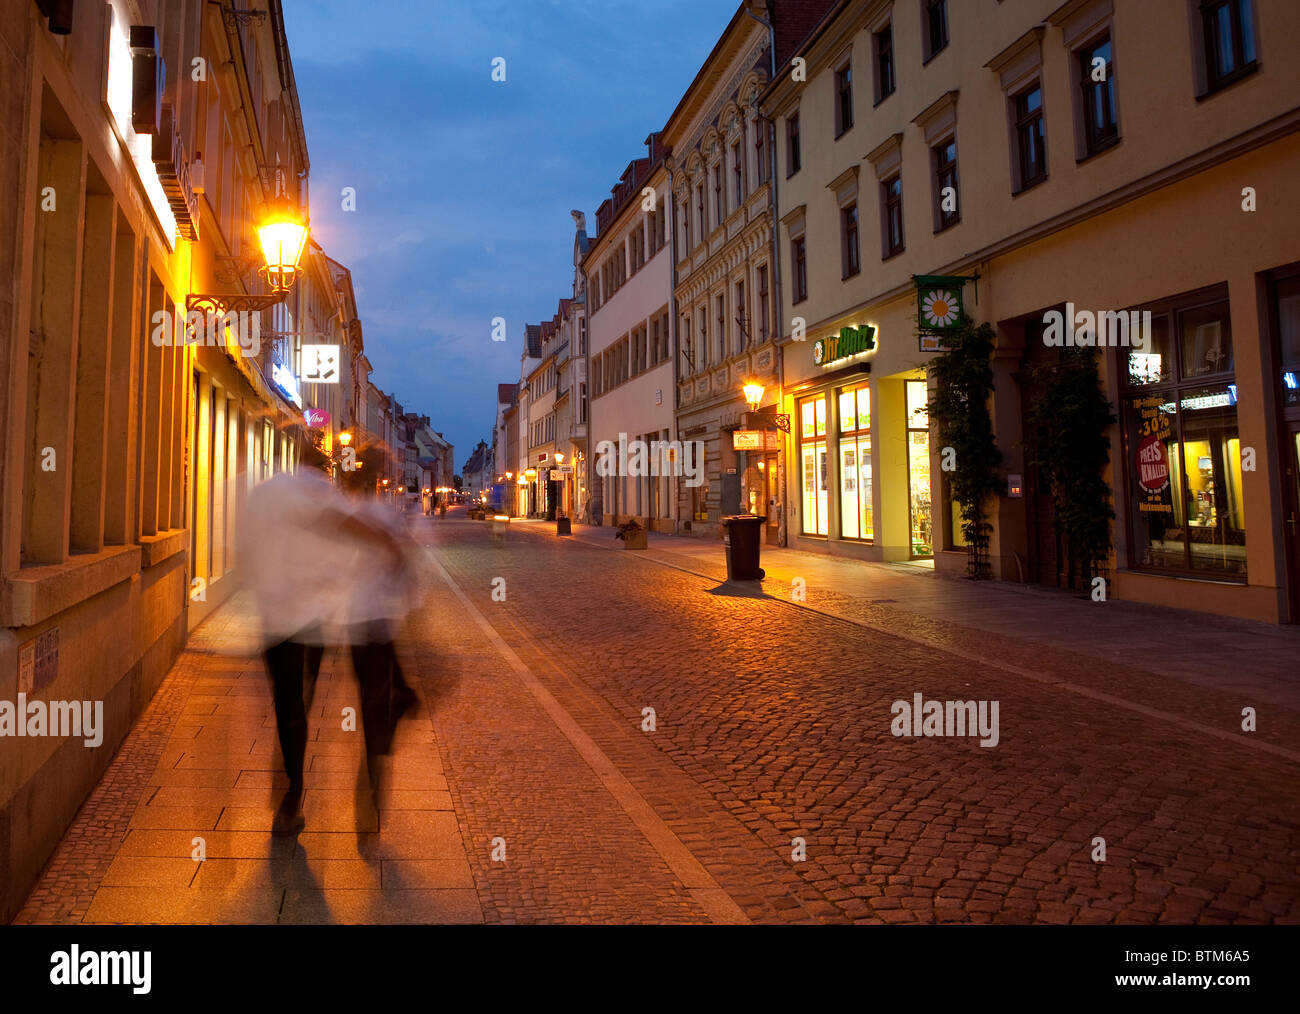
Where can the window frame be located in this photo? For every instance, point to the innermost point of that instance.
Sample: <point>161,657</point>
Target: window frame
<point>1205,16</point>
<point>891,205</point>
<point>928,8</point>
<point>793,150</point>
<point>1095,140</point>
<point>798,269</point>
<point>843,98</point>
<point>945,174</point>
<point>1021,122</point>
<point>850,241</point>
<point>883,62</point>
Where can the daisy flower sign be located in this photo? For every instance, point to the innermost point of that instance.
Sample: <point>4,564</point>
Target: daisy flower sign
<point>938,307</point>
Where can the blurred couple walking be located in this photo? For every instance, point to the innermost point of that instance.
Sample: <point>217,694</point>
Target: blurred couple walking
<point>327,567</point>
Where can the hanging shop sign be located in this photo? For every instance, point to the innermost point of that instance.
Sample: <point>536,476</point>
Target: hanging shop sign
<point>316,418</point>
<point>850,342</point>
<point>756,440</point>
<point>939,307</point>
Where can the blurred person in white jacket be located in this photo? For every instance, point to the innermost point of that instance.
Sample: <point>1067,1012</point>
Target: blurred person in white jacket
<point>380,596</point>
<point>298,539</point>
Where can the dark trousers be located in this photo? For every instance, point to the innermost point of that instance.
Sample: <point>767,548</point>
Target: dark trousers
<point>293,666</point>
<point>384,690</point>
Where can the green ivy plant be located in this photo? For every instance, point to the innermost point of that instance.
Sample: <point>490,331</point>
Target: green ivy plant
<point>1069,446</point>
<point>960,410</point>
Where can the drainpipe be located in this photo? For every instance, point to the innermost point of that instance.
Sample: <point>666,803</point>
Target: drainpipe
<point>770,125</point>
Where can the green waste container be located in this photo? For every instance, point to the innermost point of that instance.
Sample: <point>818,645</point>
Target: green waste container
<point>742,534</point>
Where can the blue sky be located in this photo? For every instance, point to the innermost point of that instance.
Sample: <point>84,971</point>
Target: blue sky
<point>464,185</point>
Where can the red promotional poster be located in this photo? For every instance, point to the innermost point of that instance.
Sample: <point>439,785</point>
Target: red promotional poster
<point>1153,467</point>
<point>316,418</point>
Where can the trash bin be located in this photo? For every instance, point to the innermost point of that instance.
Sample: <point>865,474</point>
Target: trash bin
<point>563,526</point>
<point>741,534</point>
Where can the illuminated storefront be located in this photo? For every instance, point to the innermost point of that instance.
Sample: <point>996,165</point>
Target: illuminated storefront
<point>1183,452</point>
<point>861,448</point>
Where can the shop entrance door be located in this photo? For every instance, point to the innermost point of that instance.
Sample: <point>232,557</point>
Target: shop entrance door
<point>1291,519</point>
<point>771,501</point>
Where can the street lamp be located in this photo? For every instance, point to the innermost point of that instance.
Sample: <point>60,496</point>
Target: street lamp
<point>754,394</point>
<point>559,458</point>
<point>345,438</point>
<point>283,239</point>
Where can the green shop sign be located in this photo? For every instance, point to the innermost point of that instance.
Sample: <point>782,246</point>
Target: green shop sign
<point>939,307</point>
<point>851,341</point>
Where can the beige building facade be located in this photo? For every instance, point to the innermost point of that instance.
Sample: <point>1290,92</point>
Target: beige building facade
<point>1089,156</point>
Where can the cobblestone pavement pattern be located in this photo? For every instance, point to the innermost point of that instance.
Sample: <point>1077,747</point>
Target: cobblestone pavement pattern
<point>528,790</point>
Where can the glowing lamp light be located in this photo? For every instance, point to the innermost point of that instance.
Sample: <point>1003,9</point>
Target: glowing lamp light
<point>754,394</point>
<point>283,240</point>
<point>345,438</point>
<point>559,457</point>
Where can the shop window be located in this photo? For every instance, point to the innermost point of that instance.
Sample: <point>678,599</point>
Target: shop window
<point>918,469</point>
<point>1288,329</point>
<point>813,464</point>
<point>1183,447</point>
<point>856,518</point>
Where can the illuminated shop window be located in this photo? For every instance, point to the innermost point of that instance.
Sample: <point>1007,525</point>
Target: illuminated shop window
<point>856,520</point>
<point>813,464</point>
<point>1183,449</point>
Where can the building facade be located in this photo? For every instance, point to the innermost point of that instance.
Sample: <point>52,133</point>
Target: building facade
<point>723,285</point>
<point>1038,160</point>
<point>140,146</point>
<point>629,285</point>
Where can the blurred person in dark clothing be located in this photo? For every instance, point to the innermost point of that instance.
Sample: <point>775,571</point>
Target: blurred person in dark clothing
<point>379,598</point>
<point>298,536</point>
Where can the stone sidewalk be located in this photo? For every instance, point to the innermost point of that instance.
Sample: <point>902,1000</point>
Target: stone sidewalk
<point>200,775</point>
<point>1198,648</point>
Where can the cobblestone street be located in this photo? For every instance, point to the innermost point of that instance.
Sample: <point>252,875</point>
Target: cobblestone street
<point>530,788</point>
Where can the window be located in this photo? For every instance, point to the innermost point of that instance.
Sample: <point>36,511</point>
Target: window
<point>762,304</point>
<point>891,198</point>
<point>721,304</point>
<point>1183,446</point>
<point>582,336</point>
<point>799,269</point>
<point>843,99</point>
<point>719,200</point>
<point>851,263</point>
<point>704,337</point>
<point>699,204</point>
<point>812,456</point>
<point>856,521</point>
<point>1030,149</point>
<point>883,46</point>
<point>935,25</point>
<point>686,226</point>
<point>1100,126</point>
<point>742,324</point>
<point>760,149</point>
<point>738,169</point>
<point>793,160</point>
<point>945,184</point>
<point>1228,30</point>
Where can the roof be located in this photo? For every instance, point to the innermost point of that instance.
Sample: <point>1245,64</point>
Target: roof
<point>506,393</point>
<point>793,21</point>
<point>533,340</point>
